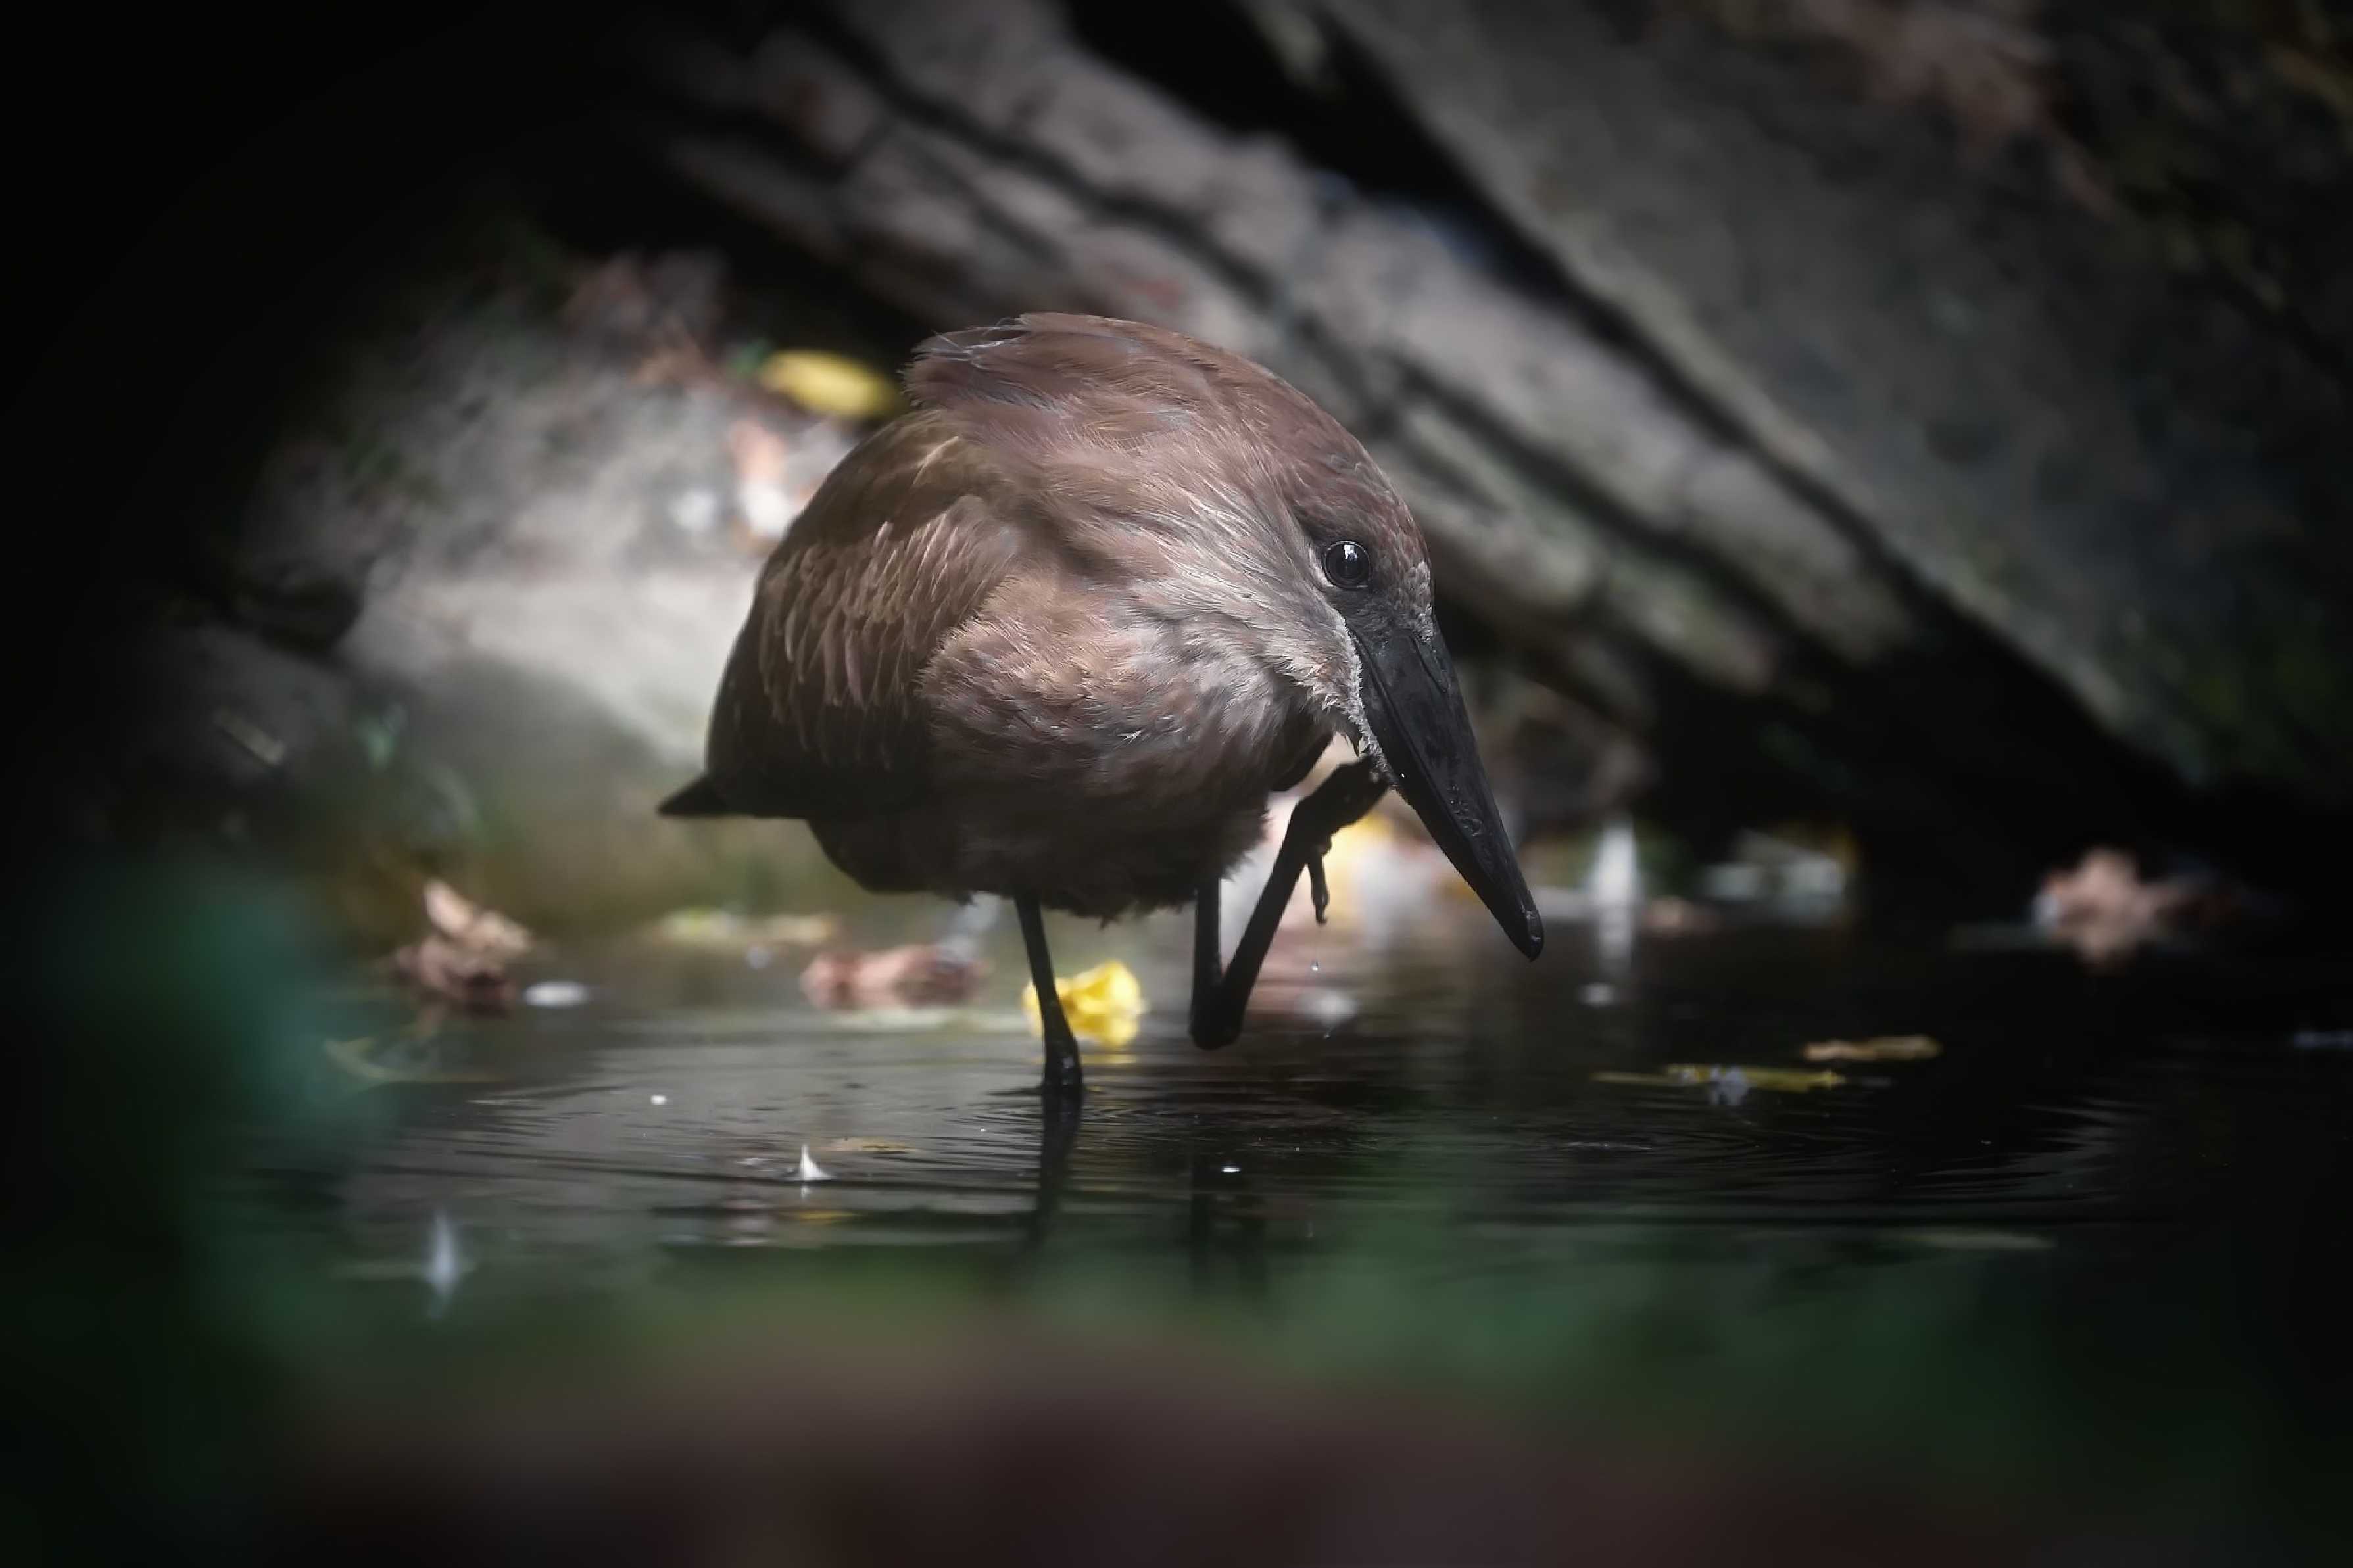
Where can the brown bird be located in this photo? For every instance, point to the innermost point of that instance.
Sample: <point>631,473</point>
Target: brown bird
<point>1059,631</point>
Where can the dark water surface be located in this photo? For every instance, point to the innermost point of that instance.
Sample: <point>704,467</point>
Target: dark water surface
<point>2088,1253</point>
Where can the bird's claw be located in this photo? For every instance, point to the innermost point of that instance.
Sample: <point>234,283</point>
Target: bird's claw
<point>1344,797</point>
<point>1339,801</point>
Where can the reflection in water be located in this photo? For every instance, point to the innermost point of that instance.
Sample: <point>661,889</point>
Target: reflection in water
<point>2086,1250</point>
<point>1226,1230</point>
<point>649,1125</point>
<point>1614,889</point>
<point>444,1265</point>
<point>1058,1131</point>
<point>1470,1170</point>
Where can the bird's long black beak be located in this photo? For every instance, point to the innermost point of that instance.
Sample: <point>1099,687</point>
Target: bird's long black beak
<point>1416,711</point>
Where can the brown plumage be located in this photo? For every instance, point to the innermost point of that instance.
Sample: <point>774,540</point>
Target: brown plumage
<point>1058,634</point>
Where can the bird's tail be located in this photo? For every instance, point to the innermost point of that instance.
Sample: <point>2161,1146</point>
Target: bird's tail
<point>697,799</point>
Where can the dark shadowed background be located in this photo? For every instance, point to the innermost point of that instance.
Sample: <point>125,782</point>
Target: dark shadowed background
<point>1875,454</point>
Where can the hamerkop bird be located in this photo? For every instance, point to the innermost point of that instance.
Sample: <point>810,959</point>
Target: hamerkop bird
<point>1059,631</point>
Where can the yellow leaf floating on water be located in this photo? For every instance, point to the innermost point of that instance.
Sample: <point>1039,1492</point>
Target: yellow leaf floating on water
<point>1794,1080</point>
<point>1879,1048</point>
<point>1104,1005</point>
<point>1789,1080</point>
<point>828,384</point>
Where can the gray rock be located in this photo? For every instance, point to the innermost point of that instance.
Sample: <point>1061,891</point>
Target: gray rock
<point>1820,460</point>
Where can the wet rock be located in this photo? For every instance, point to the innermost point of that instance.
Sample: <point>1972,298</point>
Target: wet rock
<point>1843,476</point>
<point>1851,292</point>
<point>225,713</point>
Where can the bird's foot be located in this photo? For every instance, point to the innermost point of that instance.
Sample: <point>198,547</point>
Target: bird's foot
<point>1339,801</point>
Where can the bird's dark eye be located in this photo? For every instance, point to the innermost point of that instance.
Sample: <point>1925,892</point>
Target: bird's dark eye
<point>1349,564</point>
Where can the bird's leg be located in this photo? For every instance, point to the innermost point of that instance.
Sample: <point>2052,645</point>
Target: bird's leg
<point>1062,1078</point>
<point>1058,1129</point>
<point>1219,997</point>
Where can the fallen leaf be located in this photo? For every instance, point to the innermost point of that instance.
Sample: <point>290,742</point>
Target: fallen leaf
<point>1794,1080</point>
<point>899,976</point>
<point>448,970</point>
<point>829,384</point>
<point>479,929</point>
<point>464,956</point>
<point>1104,1004</point>
<point>2104,909</point>
<point>1790,1081</point>
<point>865,1146</point>
<point>1878,1049</point>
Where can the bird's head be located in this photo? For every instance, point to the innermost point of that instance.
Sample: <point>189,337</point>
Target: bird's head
<point>1220,496</point>
<point>1355,551</point>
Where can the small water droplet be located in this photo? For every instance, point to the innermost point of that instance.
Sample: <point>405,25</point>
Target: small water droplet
<point>1230,1169</point>
<point>659,1098</point>
<point>445,1263</point>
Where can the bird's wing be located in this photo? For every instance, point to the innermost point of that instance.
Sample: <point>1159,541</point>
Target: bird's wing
<point>819,712</point>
